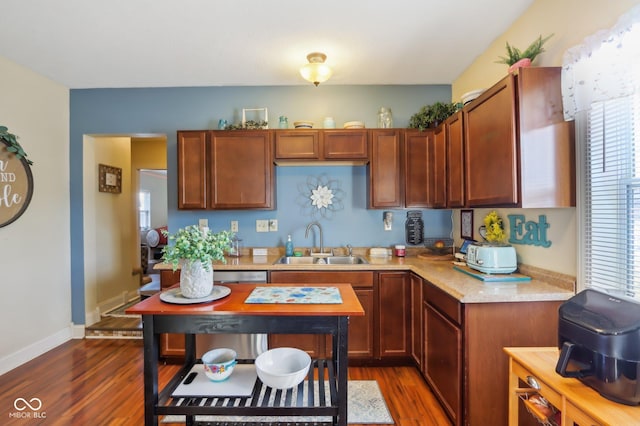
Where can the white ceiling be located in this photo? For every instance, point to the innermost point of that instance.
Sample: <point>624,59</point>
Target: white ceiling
<point>165,43</point>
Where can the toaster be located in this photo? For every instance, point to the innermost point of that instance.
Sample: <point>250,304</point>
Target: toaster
<point>492,259</point>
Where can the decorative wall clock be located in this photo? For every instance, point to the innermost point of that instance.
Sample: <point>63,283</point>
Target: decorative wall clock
<point>110,179</point>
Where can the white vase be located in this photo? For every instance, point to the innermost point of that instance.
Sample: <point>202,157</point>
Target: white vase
<point>195,280</point>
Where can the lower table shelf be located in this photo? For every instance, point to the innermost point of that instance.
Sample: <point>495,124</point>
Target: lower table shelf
<point>315,397</point>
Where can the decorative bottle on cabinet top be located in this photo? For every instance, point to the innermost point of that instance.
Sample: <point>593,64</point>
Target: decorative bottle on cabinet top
<point>385,119</point>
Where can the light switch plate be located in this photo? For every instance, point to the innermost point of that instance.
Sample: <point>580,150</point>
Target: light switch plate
<point>262,225</point>
<point>273,225</point>
<point>234,226</point>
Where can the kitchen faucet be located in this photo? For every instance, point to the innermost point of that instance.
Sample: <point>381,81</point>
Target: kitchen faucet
<point>306,235</point>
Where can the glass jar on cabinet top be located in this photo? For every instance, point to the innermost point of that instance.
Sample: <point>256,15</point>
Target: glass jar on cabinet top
<point>385,119</point>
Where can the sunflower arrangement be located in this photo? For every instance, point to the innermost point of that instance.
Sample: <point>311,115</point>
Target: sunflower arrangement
<point>494,227</point>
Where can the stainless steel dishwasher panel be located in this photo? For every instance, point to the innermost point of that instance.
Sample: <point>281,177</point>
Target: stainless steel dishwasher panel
<point>247,346</point>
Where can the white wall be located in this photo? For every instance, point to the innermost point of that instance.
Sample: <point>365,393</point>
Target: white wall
<point>570,21</point>
<point>35,307</point>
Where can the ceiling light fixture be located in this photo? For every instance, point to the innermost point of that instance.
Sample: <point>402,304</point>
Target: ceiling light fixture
<point>316,71</point>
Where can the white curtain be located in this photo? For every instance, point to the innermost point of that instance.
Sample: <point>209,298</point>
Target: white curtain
<point>605,66</point>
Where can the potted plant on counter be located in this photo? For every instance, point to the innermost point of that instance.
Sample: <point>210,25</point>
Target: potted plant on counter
<point>193,250</point>
<point>517,59</point>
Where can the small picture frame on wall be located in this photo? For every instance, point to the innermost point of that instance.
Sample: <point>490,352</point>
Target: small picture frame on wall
<point>109,179</point>
<point>466,224</point>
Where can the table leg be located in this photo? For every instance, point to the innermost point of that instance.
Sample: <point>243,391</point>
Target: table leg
<point>513,395</point>
<point>150,340</point>
<point>341,349</point>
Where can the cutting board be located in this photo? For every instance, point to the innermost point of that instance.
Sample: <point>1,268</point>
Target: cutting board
<point>430,256</point>
<point>492,278</point>
<point>240,383</point>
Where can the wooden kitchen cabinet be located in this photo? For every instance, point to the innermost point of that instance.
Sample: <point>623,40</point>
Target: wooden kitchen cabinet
<point>171,345</point>
<point>192,169</point>
<point>437,167</point>
<point>455,160</point>
<point>442,366</point>
<point>299,144</point>
<point>464,361</point>
<point>385,169</point>
<point>416,168</point>
<point>307,145</point>
<point>225,170</point>
<point>519,151</point>
<point>417,323</point>
<point>242,170</point>
<point>361,329</point>
<point>394,315</point>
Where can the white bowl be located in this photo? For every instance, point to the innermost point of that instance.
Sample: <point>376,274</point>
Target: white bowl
<point>219,364</point>
<point>283,368</point>
<point>354,125</point>
<point>303,124</point>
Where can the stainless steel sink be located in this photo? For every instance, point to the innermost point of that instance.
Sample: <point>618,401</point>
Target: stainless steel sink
<point>312,260</point>
<point>346,260</point>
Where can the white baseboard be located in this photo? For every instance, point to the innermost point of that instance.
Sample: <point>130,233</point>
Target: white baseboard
<point>34,350</point>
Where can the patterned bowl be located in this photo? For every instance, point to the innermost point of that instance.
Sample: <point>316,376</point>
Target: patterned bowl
<point>283,368</point>
<point>219,364</point>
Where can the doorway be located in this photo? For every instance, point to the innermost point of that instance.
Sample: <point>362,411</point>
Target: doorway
<point>112,235</point>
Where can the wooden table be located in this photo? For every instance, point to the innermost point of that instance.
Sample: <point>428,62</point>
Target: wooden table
<point>232,315</point>
<point>577,402</point>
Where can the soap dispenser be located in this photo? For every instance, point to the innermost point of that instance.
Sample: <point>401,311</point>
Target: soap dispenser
<point>289,247</point>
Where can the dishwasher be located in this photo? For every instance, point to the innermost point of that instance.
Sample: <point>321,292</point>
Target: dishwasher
<point>247,346</point>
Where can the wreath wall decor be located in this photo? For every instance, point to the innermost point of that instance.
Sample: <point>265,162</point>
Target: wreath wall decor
<point>320,196</point>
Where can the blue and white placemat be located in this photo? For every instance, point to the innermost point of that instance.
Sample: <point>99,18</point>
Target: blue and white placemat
<point>311,295</point>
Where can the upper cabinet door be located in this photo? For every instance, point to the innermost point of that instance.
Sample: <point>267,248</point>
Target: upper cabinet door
<point>385,169</point>
<point>416,167</point>
<point>491,168</point>
<point>345,145</point>
<point>297,144</point>
<point>242,170</point>
<point>438,169</point>
<point>192,169</point>
<point>455,161</point>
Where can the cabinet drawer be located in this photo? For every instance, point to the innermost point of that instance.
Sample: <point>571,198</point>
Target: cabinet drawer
<point>574,414</point>
<point>443,302</point>
<point>357,279</point>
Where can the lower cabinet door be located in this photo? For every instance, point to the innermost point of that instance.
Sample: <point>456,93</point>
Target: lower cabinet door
<point>443,360</point>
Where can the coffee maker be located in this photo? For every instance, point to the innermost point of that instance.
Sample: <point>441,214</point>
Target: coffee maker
<point>599,338</point>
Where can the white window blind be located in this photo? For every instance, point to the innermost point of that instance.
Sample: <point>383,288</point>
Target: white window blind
<point>601,90</point>
<point>144,209</point>
<point>612,197</point>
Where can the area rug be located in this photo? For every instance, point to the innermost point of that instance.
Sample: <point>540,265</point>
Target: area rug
<point>119,311</point>
<point>366,406</point>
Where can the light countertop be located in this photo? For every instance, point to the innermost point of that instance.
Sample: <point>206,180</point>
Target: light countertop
<point>544,285</point>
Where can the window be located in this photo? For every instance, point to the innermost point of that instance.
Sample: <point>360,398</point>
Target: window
<point>601,82</point>
<point>144,209</point>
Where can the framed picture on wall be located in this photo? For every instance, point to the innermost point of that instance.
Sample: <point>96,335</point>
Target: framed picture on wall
<point>466,224</point>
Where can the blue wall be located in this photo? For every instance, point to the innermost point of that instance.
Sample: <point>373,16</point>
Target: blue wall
<point>166,110</point>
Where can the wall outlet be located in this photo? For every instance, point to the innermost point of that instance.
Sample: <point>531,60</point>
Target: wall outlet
<point>273,225</point>
<point>234,226</point>
<point>262,225</point>
<point>202,223</point>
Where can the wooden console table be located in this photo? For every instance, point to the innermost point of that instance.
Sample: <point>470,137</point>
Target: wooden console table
<point>232,315</point>
<point>577,402</point>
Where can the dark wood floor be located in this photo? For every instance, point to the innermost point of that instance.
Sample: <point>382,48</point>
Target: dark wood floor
<point>99,382</point>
